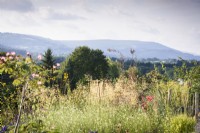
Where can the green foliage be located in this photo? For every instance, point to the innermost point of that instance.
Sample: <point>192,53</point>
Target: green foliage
<point>173,96</point>
<point>85,61</point>
<point>62,77</point>
<point>2,53</point>
<point>48,60</point>
<point>114,70</point>
<point>182,71</point>
<point>181,124</point>
<point>146,66</point>
<point>34,126</point>
<point>132,73</point>
<point>190,75</point>
<point>194,78</point>
<point>18,72</point>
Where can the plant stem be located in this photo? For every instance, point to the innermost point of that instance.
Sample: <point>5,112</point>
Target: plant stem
<point>20,109</point>
<point>196,105</point>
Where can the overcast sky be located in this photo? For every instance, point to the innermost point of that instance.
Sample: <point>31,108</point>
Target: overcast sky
<point>174,23</point>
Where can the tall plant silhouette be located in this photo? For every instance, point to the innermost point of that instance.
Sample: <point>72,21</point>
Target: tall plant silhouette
<point>48,62</point>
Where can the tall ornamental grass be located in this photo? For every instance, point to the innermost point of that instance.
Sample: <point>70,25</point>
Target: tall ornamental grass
<point>101,118</point>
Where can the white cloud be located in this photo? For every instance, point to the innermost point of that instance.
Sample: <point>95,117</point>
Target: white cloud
<point>62,15</point>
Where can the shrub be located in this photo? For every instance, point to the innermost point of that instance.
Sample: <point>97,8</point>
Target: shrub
<point>182,124</point>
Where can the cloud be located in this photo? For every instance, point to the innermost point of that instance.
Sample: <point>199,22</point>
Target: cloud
<point>16,5</point>
<point>50,13</point>
<point>151,30</point>
<point>64,16</point>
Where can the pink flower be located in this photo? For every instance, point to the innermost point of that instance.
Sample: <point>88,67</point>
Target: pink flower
<point>27,53</point>
<point>39,82</point>
<point>11,58</point>
<point>149,98</point>
<point>39,57</point>
<point>54,67</point>
<point>13,53</point>
<point>58,64</point>
<point>3,58</point>
<point>7,54</point>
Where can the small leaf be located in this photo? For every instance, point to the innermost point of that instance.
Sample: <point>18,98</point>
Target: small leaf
<point>3,84</point>
<point>16,82</point>
<point>10,70</point>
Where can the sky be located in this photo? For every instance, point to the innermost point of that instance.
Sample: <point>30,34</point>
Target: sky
<point>174,23</point>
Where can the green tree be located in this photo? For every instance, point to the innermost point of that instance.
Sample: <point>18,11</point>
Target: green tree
<point>48,62</point>
<point>85,61</point>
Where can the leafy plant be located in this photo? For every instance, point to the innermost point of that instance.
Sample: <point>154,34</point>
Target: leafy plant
<point>181,124</point>
<point>26,76</point>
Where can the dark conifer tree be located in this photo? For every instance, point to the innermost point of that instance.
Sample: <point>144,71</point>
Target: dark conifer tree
<point>48,62</point>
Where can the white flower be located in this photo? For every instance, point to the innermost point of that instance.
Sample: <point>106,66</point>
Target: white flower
<point>39,82</point>
<point>35,75</point>
<point>180,81</point>
<point>58,64</point>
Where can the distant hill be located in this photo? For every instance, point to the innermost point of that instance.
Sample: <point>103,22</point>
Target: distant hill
<point>33,44</point>
<point>144,50</point>
<point>5,48</point>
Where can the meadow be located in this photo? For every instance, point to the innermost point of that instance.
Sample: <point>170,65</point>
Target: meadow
<point>35,100</point>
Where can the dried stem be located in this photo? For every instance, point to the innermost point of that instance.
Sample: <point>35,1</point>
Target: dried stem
<point>21,105</point>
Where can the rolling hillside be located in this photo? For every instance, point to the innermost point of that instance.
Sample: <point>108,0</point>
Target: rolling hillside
<point>35,44</point>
